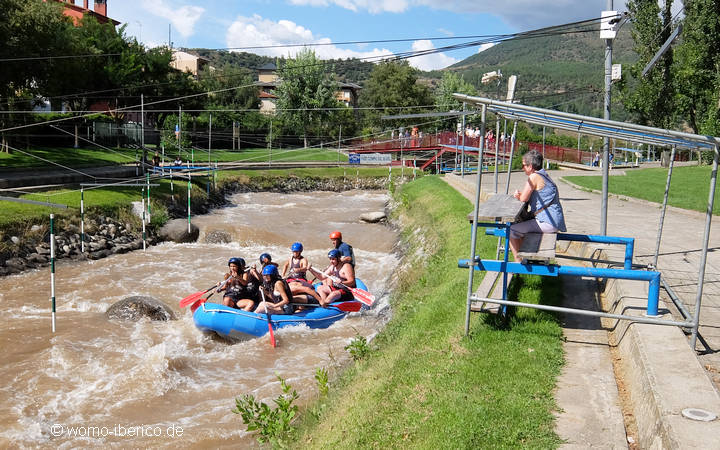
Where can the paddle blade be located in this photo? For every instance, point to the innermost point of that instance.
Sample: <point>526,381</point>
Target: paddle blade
<point>348,306</point>
<point>192,298</point>
<point>272,334</point>
<point>197,304</point>
<point>363,296</point>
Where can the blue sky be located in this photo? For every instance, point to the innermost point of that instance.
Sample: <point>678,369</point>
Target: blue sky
<point>225,24</point>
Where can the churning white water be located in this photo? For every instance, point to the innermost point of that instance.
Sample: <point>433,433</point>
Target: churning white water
<point>97,382</point>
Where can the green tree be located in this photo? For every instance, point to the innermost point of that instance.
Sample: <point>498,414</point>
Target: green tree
<point>393,88</point>
<point>651,99</point>
<point>306,94</point>
<point>450,84</point>
<point>698,66</point>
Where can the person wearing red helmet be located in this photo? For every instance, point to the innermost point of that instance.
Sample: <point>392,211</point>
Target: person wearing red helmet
<point>346,250</point>
<point>337,278</point>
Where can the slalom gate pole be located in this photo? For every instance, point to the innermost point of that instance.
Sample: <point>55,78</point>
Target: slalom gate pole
<point>52,268</point>
<point>82,220</point>
<point>148,196</point>
<point>142,195</point>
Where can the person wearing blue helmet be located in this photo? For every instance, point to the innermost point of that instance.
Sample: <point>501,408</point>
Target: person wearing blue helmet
<point>264,259</point>
<point>274,293</point>
<point>239,292</point>
<point>337,279</point>
<point>294,271</point>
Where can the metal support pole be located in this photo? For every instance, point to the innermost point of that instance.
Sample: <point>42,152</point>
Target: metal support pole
<point>606,140</point>
<point>339,140</point>
<point>497,149</point>
<point>706,240</point>
<point>664,207</point>
<point>473,234</point>
<point>462,154</point>
<point>52,268</point>
<point>512,151</point>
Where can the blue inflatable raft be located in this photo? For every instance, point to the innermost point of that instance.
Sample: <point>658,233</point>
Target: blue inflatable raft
<point>239,324</point>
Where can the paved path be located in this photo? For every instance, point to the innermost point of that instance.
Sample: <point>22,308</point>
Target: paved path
<point>679,263</point>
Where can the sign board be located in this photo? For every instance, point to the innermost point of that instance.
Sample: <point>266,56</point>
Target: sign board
<point>512,82</point>
<point>616,72</point>
<point>370,158</point>
<point>608,30</point>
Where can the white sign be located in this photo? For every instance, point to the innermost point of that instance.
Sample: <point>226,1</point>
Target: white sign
<point>512,81</point>
<point>616,72</point>
<point>370,158</point>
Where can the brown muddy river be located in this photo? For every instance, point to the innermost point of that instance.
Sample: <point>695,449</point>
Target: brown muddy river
<point>100,383</point>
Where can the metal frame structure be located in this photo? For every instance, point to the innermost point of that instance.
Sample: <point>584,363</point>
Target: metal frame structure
<point>606,129</point>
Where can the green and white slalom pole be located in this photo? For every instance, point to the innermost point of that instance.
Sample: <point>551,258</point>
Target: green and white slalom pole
<point>82,220</point>
<point>142,195</point>
<point>188,190</point>
<point>52,268</point>
<point>148,196</point>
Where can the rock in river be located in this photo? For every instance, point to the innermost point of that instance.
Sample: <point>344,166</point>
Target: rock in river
<point>136,307</point>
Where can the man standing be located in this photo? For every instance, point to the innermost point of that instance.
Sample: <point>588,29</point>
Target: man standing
<point>346,250</point>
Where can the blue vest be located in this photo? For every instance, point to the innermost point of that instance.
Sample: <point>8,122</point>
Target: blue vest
<point>549,199</point>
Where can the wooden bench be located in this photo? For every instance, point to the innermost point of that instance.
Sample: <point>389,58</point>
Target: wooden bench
<point>538,247</point>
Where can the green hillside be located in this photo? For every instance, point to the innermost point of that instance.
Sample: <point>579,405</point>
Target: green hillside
<point>563,71</point>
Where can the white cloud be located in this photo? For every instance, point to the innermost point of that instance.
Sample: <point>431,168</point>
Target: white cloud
<point>523,14</point>
<point>432,61</point>
<point>373,6</point>
<point>183,18</point>
<point>256,31</point>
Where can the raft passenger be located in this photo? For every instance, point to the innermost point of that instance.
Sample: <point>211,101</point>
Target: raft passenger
<point>275,292</point>
<point>337,279</point>
<point>295,273</point>
<point>239,292</point>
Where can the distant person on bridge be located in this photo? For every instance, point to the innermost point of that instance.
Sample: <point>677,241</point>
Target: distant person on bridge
<point>543,197</point>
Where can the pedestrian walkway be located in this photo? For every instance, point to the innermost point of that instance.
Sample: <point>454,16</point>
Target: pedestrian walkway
<point>662,374</point>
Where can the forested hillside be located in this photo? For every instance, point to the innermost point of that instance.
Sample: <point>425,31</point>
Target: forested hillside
<point>562,71</point>
<point>347,70</point>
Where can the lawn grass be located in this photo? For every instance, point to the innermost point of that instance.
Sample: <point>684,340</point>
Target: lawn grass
<point>689,188</point>
<point>90,157</point>
<point>426,385</point>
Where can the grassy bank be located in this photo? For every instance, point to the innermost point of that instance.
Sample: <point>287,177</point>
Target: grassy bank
<point>689,188</point>
<point>43,158</point>
<point>108,199</point>
<point>426,385</point>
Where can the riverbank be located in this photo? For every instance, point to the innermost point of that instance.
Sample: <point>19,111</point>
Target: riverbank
<point>425,384</point>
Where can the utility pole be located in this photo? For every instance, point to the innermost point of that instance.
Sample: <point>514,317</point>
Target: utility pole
<point>609,35</point>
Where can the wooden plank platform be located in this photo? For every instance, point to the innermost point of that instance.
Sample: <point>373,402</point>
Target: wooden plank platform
<point>499,208</point>
<point>490,287</point>
<point>538,247</point>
